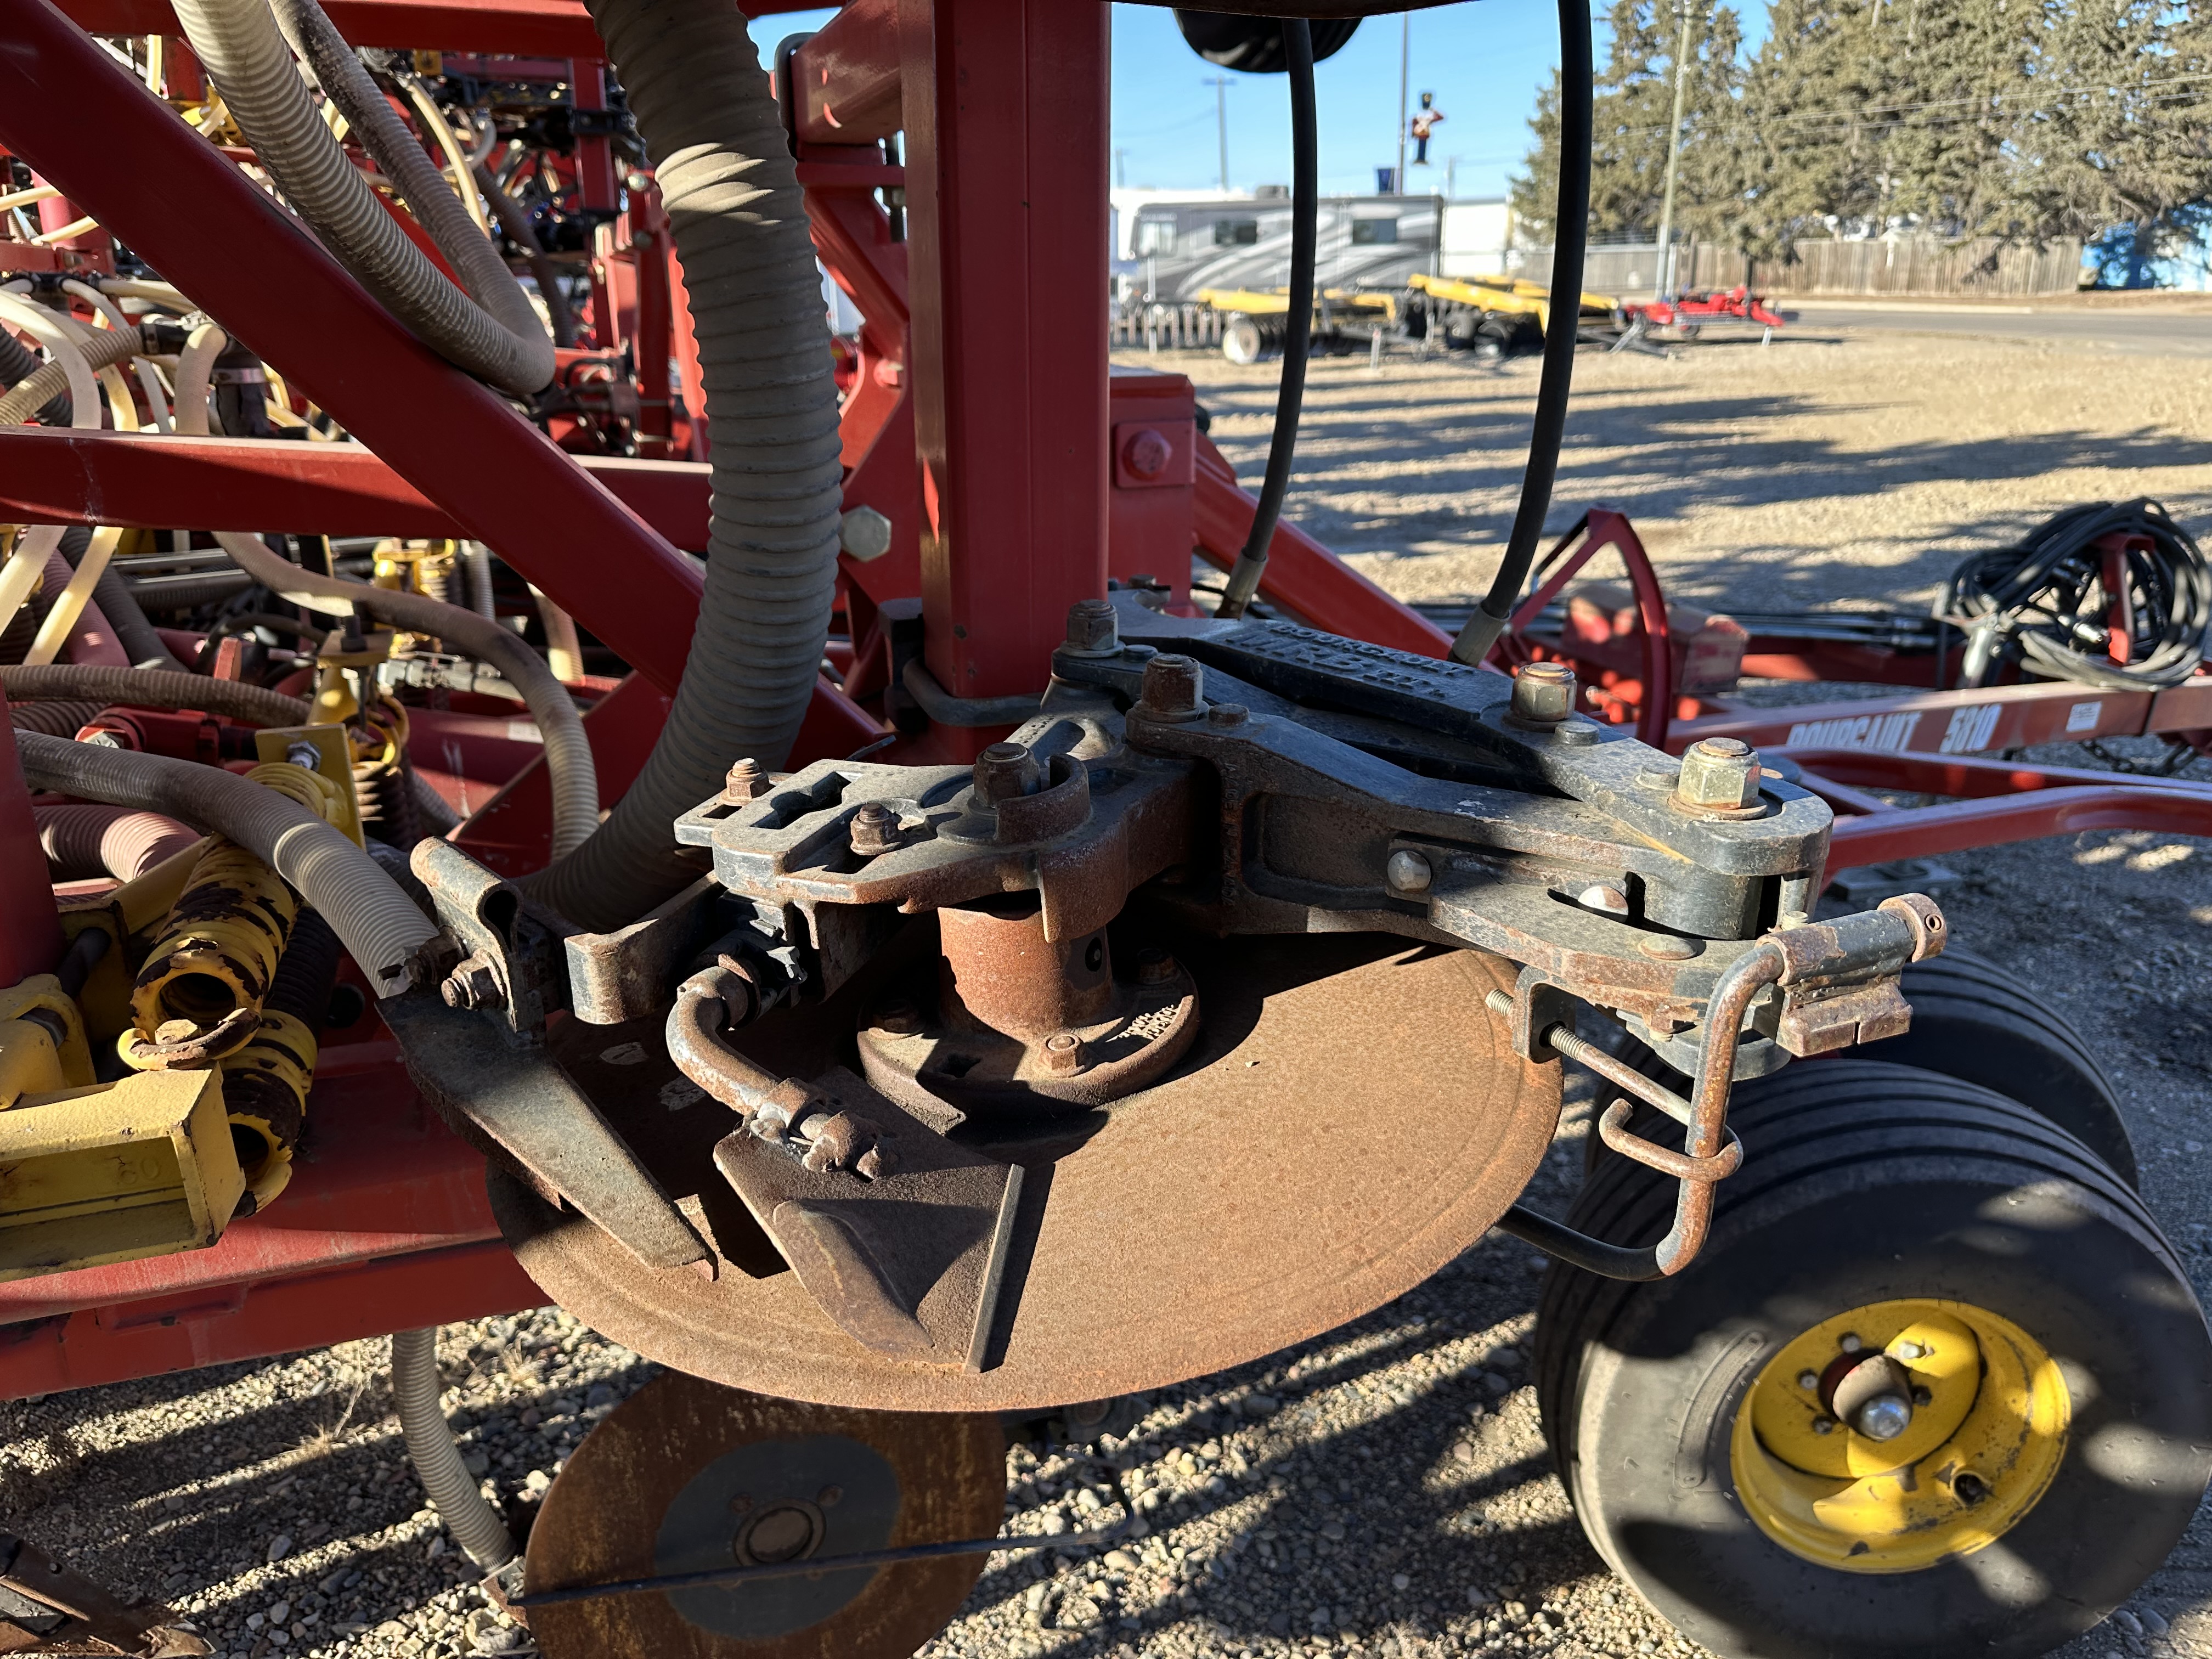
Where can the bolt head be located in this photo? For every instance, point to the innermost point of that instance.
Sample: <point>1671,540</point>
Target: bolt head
<point>1719,773</point>
<point>1093,629</point>
<point>900,1019</point>
<point>1146,451</point>
<point>1885,1417</point>
<point>1610,900</point>
<point>747,780</point>
<point>1063,1053</point>
<point>1227,714</point>
<point>1809,1380</point>
<point>875,829</point>
<point>1824,1425</point>
<point>1543,693</point>
<point>1407,871</point>
<point>1154,966</point>
<point>1003,771</point>
<point>865,534</point>
<point>1665,947</point>
<point>1175,688</point>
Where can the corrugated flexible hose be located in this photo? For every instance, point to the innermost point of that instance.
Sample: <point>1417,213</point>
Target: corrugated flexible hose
<point>489,331</point>
<point>453,1491</point>
<point>703,108</point>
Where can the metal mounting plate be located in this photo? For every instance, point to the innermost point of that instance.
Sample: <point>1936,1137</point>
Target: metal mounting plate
<point>1349,1120</point>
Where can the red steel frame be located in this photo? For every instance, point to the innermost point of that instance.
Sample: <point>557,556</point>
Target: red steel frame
<point>1003,452</point>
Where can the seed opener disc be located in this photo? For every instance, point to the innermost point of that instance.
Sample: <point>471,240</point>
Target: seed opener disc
<point>686,1476</point>
<point>1349,1118</point>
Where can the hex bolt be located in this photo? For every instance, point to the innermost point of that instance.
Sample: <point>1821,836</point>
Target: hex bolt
<point>1543,693</point>
<point>865,534</point>
<point>1093,629</point>
<point>1003,771</point>
<point>1063,1053</point>
<point>1850,1342</point>
<point>1154,966</point>
<point>1809,1380</point>
<point>473,984</point>
<point>1718,774</point>
<point>875,830</point>
<point>1175,688</point>
<point>747,780</point>
<point>1885,1417</point>
<point>1824,1425</point>
<point>1407,871</point>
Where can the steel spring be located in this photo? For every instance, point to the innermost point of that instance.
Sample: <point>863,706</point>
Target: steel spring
<point>218,950</point>
<point>319,795</point>
<point>265,1084</point>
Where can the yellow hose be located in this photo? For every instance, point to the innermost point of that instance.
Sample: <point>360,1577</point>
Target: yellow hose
<point>218,950</point>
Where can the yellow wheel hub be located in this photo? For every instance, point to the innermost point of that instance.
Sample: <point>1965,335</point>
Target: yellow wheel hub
<point>1985,1434</point>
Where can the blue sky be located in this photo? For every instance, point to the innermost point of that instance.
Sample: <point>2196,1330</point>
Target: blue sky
<point>1484,61</point>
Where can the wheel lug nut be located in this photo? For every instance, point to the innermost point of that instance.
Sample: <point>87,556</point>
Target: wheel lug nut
<point>1885,1417</point>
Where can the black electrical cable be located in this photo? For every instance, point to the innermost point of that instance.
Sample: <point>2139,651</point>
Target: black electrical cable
<point>2043,603</point>
<point>1297,324</point>
<point>1570,237</point>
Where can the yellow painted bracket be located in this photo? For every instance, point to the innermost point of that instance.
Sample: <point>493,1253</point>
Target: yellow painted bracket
<point>116,1172</point>
<point>33,1059</point>
<point>333,759</point>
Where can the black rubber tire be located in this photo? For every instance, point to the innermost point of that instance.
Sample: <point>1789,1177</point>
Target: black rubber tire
<point>1974,1022</point>
<point>1864,1181</point>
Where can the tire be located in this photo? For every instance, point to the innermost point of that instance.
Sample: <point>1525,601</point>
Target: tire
<point>1244,342</point>
<point>1974,1022</point>
<point>1865,1187</point>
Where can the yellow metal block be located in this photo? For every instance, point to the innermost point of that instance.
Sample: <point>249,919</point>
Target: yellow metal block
<point>333,759</point>
<point>89,1177</point>
<point>32,1057</point>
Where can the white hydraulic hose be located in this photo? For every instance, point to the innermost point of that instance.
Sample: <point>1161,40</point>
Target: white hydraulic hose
<point>119,321</point>
<point>195,377</point>
<point>61,621</point>
<point>27,565</point>
<point>489,330</point>
<point>573,776</point>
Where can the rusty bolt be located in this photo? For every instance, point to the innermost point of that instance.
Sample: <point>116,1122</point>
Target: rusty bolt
<point>1175,688</point>
<point>874,1165</point>
<point>1408,872</point>
<point>1611,900</point>
<point>1718,774</point>
<point>1665,947</point>
<point>747,780</point>
<point>875,830</point>
<point>1063,1053</point>
<point>473,984</point>
<point>865,534</point>
<point>1003,771</point>
<point>1227,714</point>
<point>1146,451</point>
<point>1093,629</point>
<point>1543,693</point>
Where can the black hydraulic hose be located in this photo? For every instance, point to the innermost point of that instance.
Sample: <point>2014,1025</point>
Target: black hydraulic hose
<point>1570,237</point>
<point>1297,335</point>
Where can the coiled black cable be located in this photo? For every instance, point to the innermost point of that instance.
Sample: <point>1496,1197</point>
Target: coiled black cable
<point>1297,324</point>
<point>2043,604</point>
<point>1562,330</point>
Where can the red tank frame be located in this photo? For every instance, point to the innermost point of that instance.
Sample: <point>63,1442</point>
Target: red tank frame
<point>1018,471</point>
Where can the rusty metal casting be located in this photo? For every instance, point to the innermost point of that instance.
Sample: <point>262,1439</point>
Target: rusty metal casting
<point>689,1481</point>
<point>47,1608</point>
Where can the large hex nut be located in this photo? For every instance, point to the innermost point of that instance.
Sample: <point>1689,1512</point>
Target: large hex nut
<point>1718,774</point>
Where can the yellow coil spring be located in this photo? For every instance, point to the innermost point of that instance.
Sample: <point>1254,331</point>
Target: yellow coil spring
<point>219,948</point>
<point>318,793</point>
<point>265,1093</point>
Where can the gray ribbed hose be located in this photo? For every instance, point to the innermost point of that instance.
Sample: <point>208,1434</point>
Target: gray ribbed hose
<point>453,1491</point>
<point>380,925</point>
<point>575,779</point>
<point>102,348</point>
<point>702,106</point>
<point>490,330</point>
<point>122,841</point>
<point>153,687</point>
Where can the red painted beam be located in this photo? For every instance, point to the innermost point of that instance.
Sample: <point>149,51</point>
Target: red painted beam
<point>81,119</point>
<point>1932,831</point>
<point>157,481</point>
<point>1302,575</point>
<point>845,81</point>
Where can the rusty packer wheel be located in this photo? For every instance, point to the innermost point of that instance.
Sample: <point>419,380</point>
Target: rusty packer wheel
<point>1349,1119</point>
<point>686,1476</point>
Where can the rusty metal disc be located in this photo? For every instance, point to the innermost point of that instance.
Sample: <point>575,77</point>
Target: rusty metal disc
<point>1349,1120</point>
<point>686,1476</point>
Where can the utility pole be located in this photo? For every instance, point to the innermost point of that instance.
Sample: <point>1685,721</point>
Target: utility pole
<point>1220,83</point>
<point>1663,280</point>
<point>1120,169</point>
<point>1451,178</point>
<point>1405,58</point>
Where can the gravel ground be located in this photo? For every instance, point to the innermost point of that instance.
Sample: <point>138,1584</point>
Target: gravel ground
<point>1384,1491</point>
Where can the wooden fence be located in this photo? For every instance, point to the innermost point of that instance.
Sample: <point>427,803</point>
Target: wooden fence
<point>1163,325</point>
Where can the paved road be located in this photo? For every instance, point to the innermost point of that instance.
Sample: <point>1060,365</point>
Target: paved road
<point>2151,333</point>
